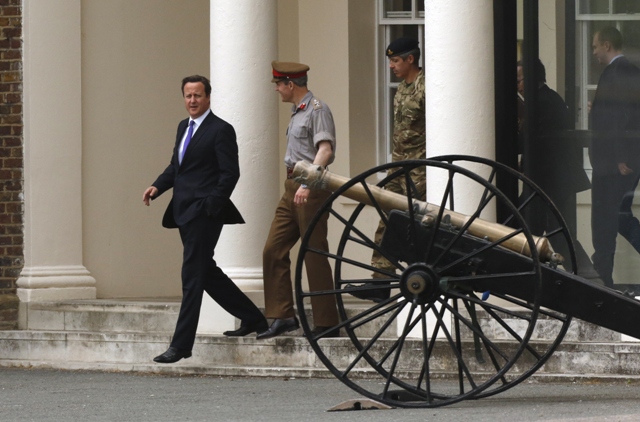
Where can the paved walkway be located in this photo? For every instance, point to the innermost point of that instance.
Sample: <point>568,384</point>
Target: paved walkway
<point>47,395</point>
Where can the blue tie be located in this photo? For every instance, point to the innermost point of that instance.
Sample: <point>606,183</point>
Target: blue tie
<point>187,140</point>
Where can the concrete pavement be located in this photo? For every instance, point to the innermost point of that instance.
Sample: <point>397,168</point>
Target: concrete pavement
<point>53,395</point>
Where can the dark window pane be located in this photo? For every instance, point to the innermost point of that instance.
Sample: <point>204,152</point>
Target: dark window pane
<point>626,6</point>
<point>631,35</point>
<point>397,9</point>
<point>392,94</point>
<point>588,7</point>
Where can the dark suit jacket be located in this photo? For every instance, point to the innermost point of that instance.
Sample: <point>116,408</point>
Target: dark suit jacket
<point>557,157</point>
<point>561,161</point>
<point>616,111</point>
<point>203,183</point>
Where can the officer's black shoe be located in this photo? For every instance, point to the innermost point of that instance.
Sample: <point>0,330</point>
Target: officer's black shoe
<point>376,295</point>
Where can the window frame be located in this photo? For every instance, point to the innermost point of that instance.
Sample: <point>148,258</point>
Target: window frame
<point>387,87</point>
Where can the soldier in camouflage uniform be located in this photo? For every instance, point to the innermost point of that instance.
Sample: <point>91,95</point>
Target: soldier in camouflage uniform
<point>408,139</point>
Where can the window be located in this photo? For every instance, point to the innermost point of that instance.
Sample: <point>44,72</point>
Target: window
<point>592,15</point>
<point>396,18</point>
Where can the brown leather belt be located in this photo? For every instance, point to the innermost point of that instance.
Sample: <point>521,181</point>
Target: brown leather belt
<point>289,172</point>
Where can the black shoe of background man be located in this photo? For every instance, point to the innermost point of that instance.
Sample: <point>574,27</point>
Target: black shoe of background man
<point>376,295</point>
<point>279,326</point>
<point>244,330</point>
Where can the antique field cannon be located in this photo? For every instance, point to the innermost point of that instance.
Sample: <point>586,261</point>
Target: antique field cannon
<point>469,295</point>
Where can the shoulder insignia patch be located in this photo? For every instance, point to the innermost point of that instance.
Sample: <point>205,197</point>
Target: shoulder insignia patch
<point>316,104</point>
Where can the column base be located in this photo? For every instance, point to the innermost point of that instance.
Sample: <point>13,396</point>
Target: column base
<point>41,284</point>
<point>250,281</point>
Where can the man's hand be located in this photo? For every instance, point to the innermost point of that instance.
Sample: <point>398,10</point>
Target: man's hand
<point>624,170</point>
<point>302,195</point>
<point>149,194</point>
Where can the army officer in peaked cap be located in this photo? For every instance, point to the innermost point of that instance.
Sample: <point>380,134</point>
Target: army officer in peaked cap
<point>310,137</point>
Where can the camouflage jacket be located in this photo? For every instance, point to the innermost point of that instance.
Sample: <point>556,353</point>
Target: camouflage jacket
<point>409,120</point>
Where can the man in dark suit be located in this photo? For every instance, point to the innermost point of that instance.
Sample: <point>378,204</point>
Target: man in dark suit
<point>614,153</point>
<point>557,168</point>
<point>203,173</point>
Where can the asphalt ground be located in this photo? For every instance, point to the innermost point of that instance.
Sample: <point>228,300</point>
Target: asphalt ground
<point>51,395</point>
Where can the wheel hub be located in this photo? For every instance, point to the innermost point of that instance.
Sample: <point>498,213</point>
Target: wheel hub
<point>419,281</point>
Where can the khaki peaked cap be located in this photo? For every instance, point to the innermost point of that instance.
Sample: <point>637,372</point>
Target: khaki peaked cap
<point>288,70</point>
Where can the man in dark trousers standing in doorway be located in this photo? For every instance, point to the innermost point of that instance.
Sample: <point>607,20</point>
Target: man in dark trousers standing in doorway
<point>614,154</point>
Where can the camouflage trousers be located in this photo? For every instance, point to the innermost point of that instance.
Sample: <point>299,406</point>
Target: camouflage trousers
<point>397,185</point>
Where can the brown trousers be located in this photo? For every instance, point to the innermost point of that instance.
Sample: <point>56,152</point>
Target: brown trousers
<point>290,224</point>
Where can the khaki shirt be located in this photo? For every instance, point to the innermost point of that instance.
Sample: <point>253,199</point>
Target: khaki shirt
<point>311,122</point>
<point>409,120</point>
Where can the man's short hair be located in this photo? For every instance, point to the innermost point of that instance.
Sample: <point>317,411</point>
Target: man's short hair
<point>195,79</point>
<point>415,53</point>
<point>540,70</point>
<point>612,35</point>
<point>301,81</point>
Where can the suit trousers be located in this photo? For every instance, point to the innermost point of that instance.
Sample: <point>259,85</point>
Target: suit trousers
<point>540,219</point>
<point>289,225</point>
<point>200,273</point>
<point>611,200</point>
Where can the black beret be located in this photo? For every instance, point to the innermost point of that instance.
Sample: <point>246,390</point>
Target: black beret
<point>401,46</point>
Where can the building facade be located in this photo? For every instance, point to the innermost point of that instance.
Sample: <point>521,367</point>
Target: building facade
<point>91,100</point>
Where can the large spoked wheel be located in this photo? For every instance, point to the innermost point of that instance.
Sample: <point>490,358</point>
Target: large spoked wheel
<point>439,317</point>
<point>551,326</point>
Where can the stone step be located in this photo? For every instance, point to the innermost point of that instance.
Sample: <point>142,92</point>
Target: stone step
<point>152,316</point>
<point>287,356</point>
<point>125,335</point>
<point>120,316</point>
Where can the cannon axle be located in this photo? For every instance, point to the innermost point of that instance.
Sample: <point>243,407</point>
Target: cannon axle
<point>420,283</point>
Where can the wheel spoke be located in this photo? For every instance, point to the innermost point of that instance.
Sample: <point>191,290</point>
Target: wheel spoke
<point>349,290</point>
<point>376,336</point>
<point>438,220</point>
<point>399,344</point>
<point>364,239</point>
<point>461,363</point>
<point>352,262</point>
<point>463,229</point>
<point>478,251</point>
<point>380,307</point>
<point>460,318</point>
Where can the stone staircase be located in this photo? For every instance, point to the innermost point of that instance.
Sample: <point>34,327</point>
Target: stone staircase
<point>124,335</point>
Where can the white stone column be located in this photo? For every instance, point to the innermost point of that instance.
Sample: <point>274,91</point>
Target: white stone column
<point>243,44</point>
<point>459,82</point>
<point>459,85</point>
<point>53,154</point>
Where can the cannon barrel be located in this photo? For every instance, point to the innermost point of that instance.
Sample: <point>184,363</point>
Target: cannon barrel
<point>317,177</point>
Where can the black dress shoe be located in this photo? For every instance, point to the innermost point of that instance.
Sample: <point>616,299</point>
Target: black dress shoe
<point>319,330</point>
<point>376,295</point>
<point>257,327</point>
<point>279,326</point>
<point>172,355</point>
